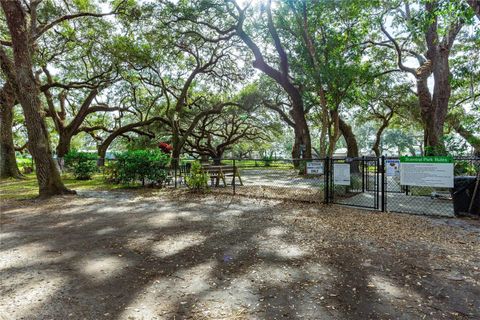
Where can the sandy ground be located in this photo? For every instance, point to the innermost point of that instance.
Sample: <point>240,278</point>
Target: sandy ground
<point>158,255</point>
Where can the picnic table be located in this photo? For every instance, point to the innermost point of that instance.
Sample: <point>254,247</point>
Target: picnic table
<point>220,172</point>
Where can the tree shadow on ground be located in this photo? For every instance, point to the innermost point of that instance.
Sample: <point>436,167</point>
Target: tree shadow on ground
<point>116,255</point>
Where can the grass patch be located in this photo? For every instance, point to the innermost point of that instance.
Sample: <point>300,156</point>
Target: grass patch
<point>28,188</point>
<point>256,164</point>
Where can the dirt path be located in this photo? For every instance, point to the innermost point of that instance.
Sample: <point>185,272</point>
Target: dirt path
<point>121,255</point>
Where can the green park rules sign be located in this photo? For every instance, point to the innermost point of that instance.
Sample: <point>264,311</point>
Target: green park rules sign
<point>427,171</point>
<point>439,159</point>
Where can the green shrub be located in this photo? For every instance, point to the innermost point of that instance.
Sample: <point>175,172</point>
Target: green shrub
<point>82,164</point>
<point>25,165</point>
<point>197,179</point>
<point>139,165</point>
<point>110,172</point>
<point>465,167</point>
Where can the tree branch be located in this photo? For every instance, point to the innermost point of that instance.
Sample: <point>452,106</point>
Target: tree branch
<point>67,17</point>
<point>276,40</point>
<point>399,52</point>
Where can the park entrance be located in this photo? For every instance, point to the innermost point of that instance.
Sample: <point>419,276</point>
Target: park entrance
<point>355,182</point>
<point>373,183</point>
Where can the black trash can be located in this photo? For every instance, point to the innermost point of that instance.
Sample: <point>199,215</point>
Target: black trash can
<point>462,193</point>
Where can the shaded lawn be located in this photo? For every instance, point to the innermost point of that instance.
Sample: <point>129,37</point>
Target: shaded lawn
<point>17,189</point>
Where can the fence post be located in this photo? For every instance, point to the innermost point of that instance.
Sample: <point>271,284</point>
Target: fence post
<point>363,174</point>
<point>383,184</point>
<point>175,164</point>
<point>326,172</point>
<point>234,175</point>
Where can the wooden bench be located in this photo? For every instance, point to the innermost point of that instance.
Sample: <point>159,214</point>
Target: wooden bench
<point>219,172</point>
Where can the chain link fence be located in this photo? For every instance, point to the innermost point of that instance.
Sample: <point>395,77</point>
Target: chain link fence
<point>285,179</point>
<point>366,182</point>
<point>421,199</point>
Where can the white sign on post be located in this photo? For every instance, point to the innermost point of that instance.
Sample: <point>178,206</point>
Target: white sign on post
<point>392,167</point>
<point>427,171</point>
<point>341,174</point>
<point>315,167</point>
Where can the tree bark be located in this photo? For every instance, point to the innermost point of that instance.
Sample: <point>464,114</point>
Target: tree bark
<point>466,134</point>
<point>64,142</point>
<point>433,108</point>
<point>324,133</point>
<point>475,5</point>
<point>333,131</point>
<point>378,135</point>
<point>352,146</point>
<point>27,94</point>
<point>8,162</point>
<point>67,131</point>
<point>281,77</point>
<point>177,146</point>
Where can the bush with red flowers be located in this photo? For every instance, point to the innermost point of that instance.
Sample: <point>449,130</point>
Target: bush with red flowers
<point>165,147</point>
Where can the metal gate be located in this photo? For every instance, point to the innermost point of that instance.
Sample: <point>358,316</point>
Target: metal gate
<point>355,182</point>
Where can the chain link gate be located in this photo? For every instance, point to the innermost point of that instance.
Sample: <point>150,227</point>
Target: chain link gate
<point>356,182</point>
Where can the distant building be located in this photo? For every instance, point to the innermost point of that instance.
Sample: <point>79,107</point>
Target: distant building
<point>340,152</point>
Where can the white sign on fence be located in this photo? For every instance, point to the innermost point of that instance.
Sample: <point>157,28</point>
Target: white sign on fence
<point>427,171</point>
<point>341,174</point>
<point>315,167</point>
<point>392,167</point>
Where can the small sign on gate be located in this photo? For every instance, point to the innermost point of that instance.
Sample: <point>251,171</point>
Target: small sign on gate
<point>392,167</point>
<point>341,174</point>
<point>315,167</point>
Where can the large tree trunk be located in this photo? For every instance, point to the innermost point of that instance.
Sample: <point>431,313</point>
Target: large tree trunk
<point>352,146</point>
<point>27,93</point>
<point>323,134</point>
<point>427,109</point>
<point>441,96</point>
<point>102,151</point>
<point>177,145</point>
<point>281,77</point>
<point>63,146</point>
<point>333,131</point>
<point>378,137</point>
<point>411,149</point>
<point>302,135</point>
<point>434,108</point>
<point>8,163</point>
